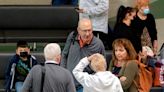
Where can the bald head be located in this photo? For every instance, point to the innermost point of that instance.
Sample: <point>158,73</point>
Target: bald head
<point>85,30</point>
<point>85,24</point>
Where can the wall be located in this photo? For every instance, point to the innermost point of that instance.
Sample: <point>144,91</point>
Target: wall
<point>25,2</point>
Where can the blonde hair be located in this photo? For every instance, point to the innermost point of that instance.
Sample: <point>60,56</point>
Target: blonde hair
<point>140,3</point>
<point>98,63</point>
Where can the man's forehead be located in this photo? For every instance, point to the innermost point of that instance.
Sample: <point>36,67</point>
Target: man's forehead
<point>22,48</point>
<point>84,22</point>
<point>85,27</point>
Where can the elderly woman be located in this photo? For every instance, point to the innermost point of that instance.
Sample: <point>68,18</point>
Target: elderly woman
<point>101,81</point>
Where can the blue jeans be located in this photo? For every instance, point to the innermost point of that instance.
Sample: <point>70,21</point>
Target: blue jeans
<point>74,2</point>
<point>162,89</point>
<point>64,2</point>
<point>79,89</point>
<point>58,2</point>
<point>18,86</point>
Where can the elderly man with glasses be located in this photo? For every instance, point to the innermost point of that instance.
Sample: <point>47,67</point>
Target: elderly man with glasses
<point>80,44</point>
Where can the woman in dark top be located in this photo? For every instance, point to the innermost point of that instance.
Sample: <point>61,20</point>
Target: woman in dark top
<point>145,19</point>
<point>123,27</point>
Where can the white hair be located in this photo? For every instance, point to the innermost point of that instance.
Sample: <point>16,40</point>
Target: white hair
<point>52,50</point>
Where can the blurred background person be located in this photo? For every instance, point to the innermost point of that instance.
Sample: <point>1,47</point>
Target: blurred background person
<point>123,27</point>
<point>144,19</point>
<point>19,66</point>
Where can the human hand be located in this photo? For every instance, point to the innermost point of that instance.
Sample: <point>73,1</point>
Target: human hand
<point>91,57</point>
<point>155,46</point>
<point>79,10</point>
<point>122,78</point>
<point>155,51</point>
<point>143,54</point>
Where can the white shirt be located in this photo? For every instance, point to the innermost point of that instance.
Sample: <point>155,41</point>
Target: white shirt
<point>97,11</point>
<point>98,82</point>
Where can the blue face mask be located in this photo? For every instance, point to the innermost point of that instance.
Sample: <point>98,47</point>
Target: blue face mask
<point>146,11</point>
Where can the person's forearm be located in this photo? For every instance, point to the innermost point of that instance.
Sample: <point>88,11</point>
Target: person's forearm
<point>155,46</point>
<point>81,65</point>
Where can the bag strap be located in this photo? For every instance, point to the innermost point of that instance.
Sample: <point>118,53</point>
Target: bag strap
<point>140,64</point>
<point>73,38</point>
<point>42,77</point>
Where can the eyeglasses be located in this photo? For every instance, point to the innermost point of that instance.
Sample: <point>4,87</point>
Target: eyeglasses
<point>87,30</point>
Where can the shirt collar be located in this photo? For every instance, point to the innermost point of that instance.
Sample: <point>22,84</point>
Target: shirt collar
<point>82,44</point>
<point>50,61</point>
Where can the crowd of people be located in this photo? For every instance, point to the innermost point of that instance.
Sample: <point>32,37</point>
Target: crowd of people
<point>81,66</point>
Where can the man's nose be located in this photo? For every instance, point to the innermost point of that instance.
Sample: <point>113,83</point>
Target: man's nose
<point>87,33</point>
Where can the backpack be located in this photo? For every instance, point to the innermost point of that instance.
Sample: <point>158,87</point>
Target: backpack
<point>145,79</point>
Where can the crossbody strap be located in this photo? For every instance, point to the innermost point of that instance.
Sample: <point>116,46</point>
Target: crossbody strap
<point>42,77</point>
<point>73,38</point>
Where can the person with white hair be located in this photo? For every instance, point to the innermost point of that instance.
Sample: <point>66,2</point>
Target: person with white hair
<point>56,78</point>
<point>101,81</point>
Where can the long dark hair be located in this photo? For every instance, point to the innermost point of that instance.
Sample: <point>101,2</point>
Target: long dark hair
<point>121,14</point>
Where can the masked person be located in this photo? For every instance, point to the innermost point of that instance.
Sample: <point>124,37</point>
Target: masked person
<point>144,19</point>
<point>19,66</point>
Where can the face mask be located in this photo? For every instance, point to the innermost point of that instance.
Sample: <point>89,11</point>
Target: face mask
<point>23,54</point>
<point>146,11</point>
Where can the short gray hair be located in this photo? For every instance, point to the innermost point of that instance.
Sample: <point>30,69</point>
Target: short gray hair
<point>51,50</point>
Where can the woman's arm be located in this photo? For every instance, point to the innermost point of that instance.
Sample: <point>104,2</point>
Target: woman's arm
<point>130,72</point>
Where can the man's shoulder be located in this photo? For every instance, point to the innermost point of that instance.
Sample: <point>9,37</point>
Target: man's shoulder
<point>33,57</point>
<point>62,68</point>
<point>96,41</point>
<point>15,58</point>
<point>37,67</point>
<point>66,71</point>
<point>73,33</point>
